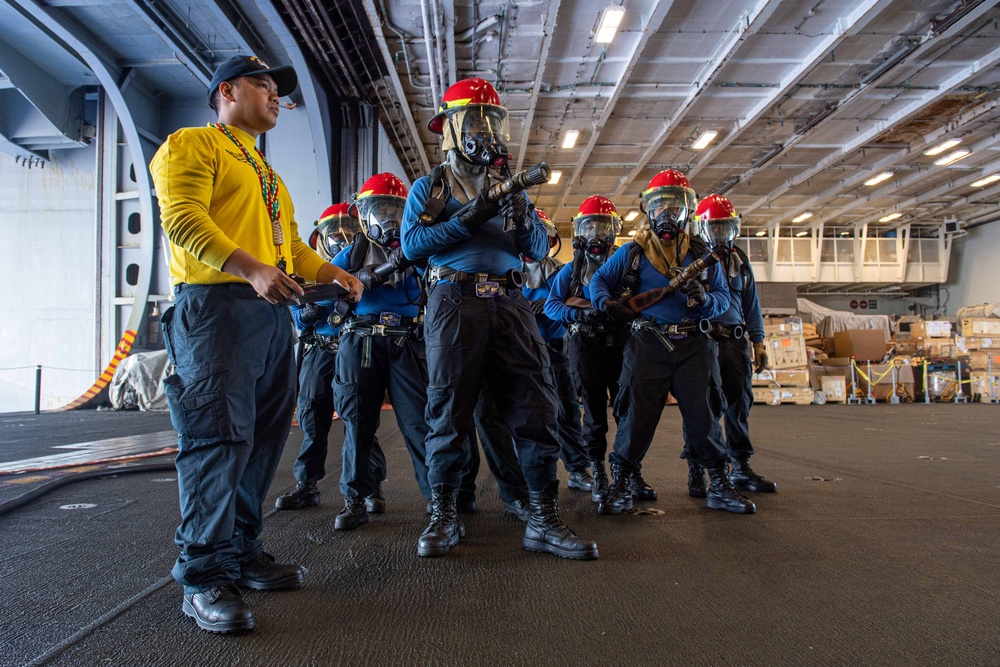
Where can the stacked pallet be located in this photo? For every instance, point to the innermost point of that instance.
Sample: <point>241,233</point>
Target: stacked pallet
<point>978,345</point>
<point>787,380</point>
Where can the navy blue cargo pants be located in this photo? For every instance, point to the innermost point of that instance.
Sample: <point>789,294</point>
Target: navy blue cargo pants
<point>595,360</point>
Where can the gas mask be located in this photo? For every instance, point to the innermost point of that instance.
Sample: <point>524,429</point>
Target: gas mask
<point>595,234</point>
<point>479,133</point>
<point>669,211</point>
<point>380,219</point>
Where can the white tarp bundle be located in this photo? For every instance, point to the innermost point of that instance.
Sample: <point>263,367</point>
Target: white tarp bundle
<point>829,321</point>
<point>138,382</point>
<point>982,310</point>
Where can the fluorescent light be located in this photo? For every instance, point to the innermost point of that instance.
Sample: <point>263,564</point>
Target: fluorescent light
<point>705,139</point>
<point>845,233</point>
<point>632,233</point>
<point>762,232</point>
<point>802,233</point>
<point>875,180</point>
<point>890,217</point>
<point>992,178</point>
<point>952,158</point>
<point>631,215</point>
<point>802,216</point>
<point>942,147</point>
<point>570,139</point>
<point>609,24</point>
<point>554,177</point>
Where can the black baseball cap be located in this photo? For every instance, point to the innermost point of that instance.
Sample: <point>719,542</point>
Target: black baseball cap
<point>238,66</point>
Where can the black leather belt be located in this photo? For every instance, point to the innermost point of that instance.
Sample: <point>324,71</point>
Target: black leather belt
<point>483,285</point>
<point>386,318</point>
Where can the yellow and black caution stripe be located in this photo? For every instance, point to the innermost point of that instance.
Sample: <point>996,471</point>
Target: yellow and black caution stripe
<point>124,345</point>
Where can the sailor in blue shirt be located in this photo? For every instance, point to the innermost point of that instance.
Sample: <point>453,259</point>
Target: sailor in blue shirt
<point>379,349</point>
<point>596,344</point>
<point>718,224</point>
<point>669,350</point>
<point>538,280</point>
<point>479,327</point>
<point>319,332</point>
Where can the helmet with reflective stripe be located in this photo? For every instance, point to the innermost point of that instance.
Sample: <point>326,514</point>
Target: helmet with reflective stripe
<point>462,94</point>
<point>716,221</point>
<point>334,231</point>
<point>596,225</point>
<point>379,206</point>
<point>668,202</point>
<point>472,120</point>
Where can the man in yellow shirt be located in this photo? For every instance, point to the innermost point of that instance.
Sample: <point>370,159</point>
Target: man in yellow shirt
<point>234,243</point>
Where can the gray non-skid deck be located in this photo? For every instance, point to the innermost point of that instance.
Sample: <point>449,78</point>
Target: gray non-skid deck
<point>881,548</point>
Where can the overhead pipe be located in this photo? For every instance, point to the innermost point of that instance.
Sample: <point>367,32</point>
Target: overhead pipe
<point>424,14</point>
<point>442,72</point>
<point>487,22</point>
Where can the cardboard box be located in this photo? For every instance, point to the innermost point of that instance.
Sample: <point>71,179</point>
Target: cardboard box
<point>938,348</point>
<point>862,344</point>
<point>787,351</point>
<point>795,377</point>
<point>835,388</point>
<point>787,325</point>
<point>778,395</point>
<point>979,360</point>
<point>984,326</point>
<point>984,387</point>
<point>933,329</point>
<point>963,344</point>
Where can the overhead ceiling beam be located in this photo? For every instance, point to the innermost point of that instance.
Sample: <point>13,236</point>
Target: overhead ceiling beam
<point>880,126</point>
<point>231,15</point>
<point>849,25</point>
<point>47,94</point>
<point>158,17</point>
<point>657,14</point>
<point>748,24</point>
<point>549,30</point>
<point>888,162</point>
<point>376,21</point>
<point>448,11</point>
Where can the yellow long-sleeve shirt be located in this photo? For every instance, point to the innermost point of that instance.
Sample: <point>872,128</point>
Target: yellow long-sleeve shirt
<point>211,204</point>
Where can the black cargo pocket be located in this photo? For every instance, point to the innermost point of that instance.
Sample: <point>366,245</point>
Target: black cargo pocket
<point>345,400</point>
<point>199,407</point>
<point>165,320</point>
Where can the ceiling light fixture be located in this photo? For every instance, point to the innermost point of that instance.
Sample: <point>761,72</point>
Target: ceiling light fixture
<point>952,158</point>
<point>631,215</point>
<point>875,180</point>
<point>802,233</point>
<point>762,232</point>
<point>890,217</point>
<point>554,177</point>
<point>705,139</point>
<point>845,233</point>
<point>609,24</point>
<point>992,178</point>
<point>943,146</point>
<point>802,216</point>
<point>631,233</point>
<point>570,139</point>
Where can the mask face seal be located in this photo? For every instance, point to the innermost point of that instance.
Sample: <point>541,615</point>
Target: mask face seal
<point>595,234</point>
<point>479,133</point>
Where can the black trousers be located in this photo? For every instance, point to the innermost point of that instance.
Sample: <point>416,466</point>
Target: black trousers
<point>596,364</point>
<point>691,373</point>
<point>472,341</point>
<point>498,448</point>
<point>367,367</point>
<point>571,448</point>
<point>315,415</point>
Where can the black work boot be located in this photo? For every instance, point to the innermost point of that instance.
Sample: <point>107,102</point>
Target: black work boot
<point>219,609</point>
<point>696,480</point>
<point>619,495</point>
<point>640,489</point>
<point>745,479</point>
<point>600,485</point>
<point>517,508</point>
<point>353,515</point>
<point>305,494</point>
<point>263,573</point>
<point>444,529</point>
<point>546,531</point>
<point>721,494</point>
<point>466,501</point>
<point>580,480</point>
<point>375,502</point>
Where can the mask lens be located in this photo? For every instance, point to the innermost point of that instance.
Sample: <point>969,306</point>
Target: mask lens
<point>382,215</point>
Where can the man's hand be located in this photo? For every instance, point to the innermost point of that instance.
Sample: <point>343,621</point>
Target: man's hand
<point>328,273</point>
<point>537,306</point>
<point>515,208</point>
<point>482,210</point>
<point>618,311</point>
<point>311,314</point>
<point>695,292</point>
<point>366,274</point>
<point>588,315</point>
<point>761,362</point>
<point>269,282</point>
<point>398,260</point>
